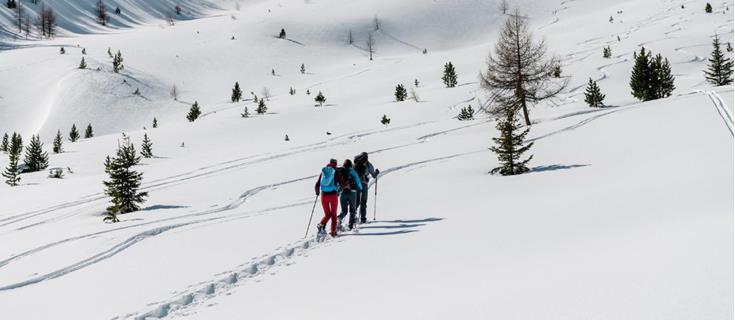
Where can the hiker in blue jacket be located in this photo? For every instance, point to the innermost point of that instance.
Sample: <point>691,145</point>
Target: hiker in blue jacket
<point>363,167</point>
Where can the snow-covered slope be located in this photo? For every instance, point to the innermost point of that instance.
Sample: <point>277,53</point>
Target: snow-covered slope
<point>627,213</point>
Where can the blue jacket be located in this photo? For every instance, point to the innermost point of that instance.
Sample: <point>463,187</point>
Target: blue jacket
<point>327,182</point>
<point>358,183</point>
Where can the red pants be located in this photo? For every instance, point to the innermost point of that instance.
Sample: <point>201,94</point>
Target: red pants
<point>329,203</point>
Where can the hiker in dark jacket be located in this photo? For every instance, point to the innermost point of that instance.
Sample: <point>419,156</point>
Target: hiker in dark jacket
<point>326,185</point>
<point>364,169</point>
<point>349,185</point>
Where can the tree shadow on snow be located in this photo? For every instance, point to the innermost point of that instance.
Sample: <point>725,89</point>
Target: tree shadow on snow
<point>162,206</point>
<point>555,167</point>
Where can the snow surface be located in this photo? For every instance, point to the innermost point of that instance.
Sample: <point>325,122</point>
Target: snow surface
<point>627,213</point>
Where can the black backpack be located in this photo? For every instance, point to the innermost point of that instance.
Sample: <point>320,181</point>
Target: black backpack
<point>347,178</point>
<point>361,165</point>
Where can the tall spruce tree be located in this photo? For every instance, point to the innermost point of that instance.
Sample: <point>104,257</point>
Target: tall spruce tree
<point>36,159</point>
<point>262,108</point>
<point>593,96</point>
<point>720,68</point>
<point>663,84</point>
<point>73,134</point>
<point>117,62</point>
<point>88,133</point>
<point>641,77</point>
<point>58,142</point>
<point>14,150</point>
<point>236,93</point>
<point>511,142</point>
<point>194,112</point>
<point>519,68</point>
<point>146,150</point>
<point>123,183</point>
<point>449,76</point>
<point>401,93</point>
<point>11,171</point>
<point>5,144</point>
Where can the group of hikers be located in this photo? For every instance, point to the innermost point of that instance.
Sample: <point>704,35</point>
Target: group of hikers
<point>347,185</point>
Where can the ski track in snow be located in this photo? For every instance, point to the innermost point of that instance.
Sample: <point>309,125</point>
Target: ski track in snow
<point>722,110</point>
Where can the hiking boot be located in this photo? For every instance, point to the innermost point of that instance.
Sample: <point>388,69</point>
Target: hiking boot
<point>320,229</point>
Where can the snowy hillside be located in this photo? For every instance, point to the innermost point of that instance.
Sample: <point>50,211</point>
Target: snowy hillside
<point>627,212</point>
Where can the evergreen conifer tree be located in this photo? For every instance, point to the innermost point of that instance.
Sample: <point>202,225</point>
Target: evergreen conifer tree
<point>117,62</point>
<point>385,120</point>
<point>58,142</point>
<point>36,159</point>
<point>245,113</point>
<point>236,93</point>
<point>720,68</point>
<point>11,171</point>
<point>291,91</point>
<point>109,52</point>
<point>450,75</point>
<point>83,64</point>
<point>146,150</point>
<point>708,8</point>
<point>663,84</point>
<point>88,133</point>
<point>262,108</point>
<point>194,112</point>
<point>320,99</point>
<point>641,76</point>
<point>16,144</point>
<point>606,52</point>
<point>155,122</point>
<point>401,93</point>
<point>4,145</point>
<point>84,51</point>
<point>510,145</point>
<point>123,183</point>
<point>62,50</point>
<point>282,34</point>
<point>593,96</point>
<point>303,69</point>
<point>73,134</point>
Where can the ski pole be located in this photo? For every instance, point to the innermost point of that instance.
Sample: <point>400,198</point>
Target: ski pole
<point>311,216</point>
<point>375,199</point>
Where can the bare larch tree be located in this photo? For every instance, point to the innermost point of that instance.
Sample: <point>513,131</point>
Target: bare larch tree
<point>519,68</point>
<point>370,44</point>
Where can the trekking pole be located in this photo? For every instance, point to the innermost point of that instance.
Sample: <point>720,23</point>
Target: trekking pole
<point>375,199</point>
<point>311,216</point>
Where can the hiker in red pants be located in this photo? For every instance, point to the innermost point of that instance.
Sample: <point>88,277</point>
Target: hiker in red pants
<point>327,186</point>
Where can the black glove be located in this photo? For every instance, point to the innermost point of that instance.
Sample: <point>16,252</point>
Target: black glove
<point>317,193</point>
<point>377,172</point>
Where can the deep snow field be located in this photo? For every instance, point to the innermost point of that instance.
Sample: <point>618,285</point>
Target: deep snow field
<point>626,214</point>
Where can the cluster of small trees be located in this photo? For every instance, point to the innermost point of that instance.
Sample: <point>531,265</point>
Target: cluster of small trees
<point>651,78</point>
<point>466,114</point>
<point>45,23</point>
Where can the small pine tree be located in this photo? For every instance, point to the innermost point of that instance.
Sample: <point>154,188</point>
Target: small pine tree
<point>88,133</point>
<point>36,159</point>
<point>708,8</point>
<point>720,68</point>
<point>109,52</point>
<point>262,108</point>
<point>16,145</point>
<point>401,93</point>
<point>194,112</point>
<point>155,122</point>
<point>4,145</point>
<point>62,50</point>
<point>123,183</point>
<point>729,47</point>
<point>83,64</point>
<point>58,142</point>
<point>556,71</point>
<point>245,113</point>
<point>282,34</point>
<point>593,96</point>
<point>416,82</point>
<point>137,91</point>
<point>84,51</point>
<point>11,171</point>
<point>291,91</point>
<point>320,99</point>
<point>607,52</point>
<point>236,93</point>
<point>466,114</point>
<point>303,69</point>
<point>146,150</point>
<point>385,120</point>
<point>117,62</point>
<point>73,134</point>
<point>450,75</point>
<point>510,145</point>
